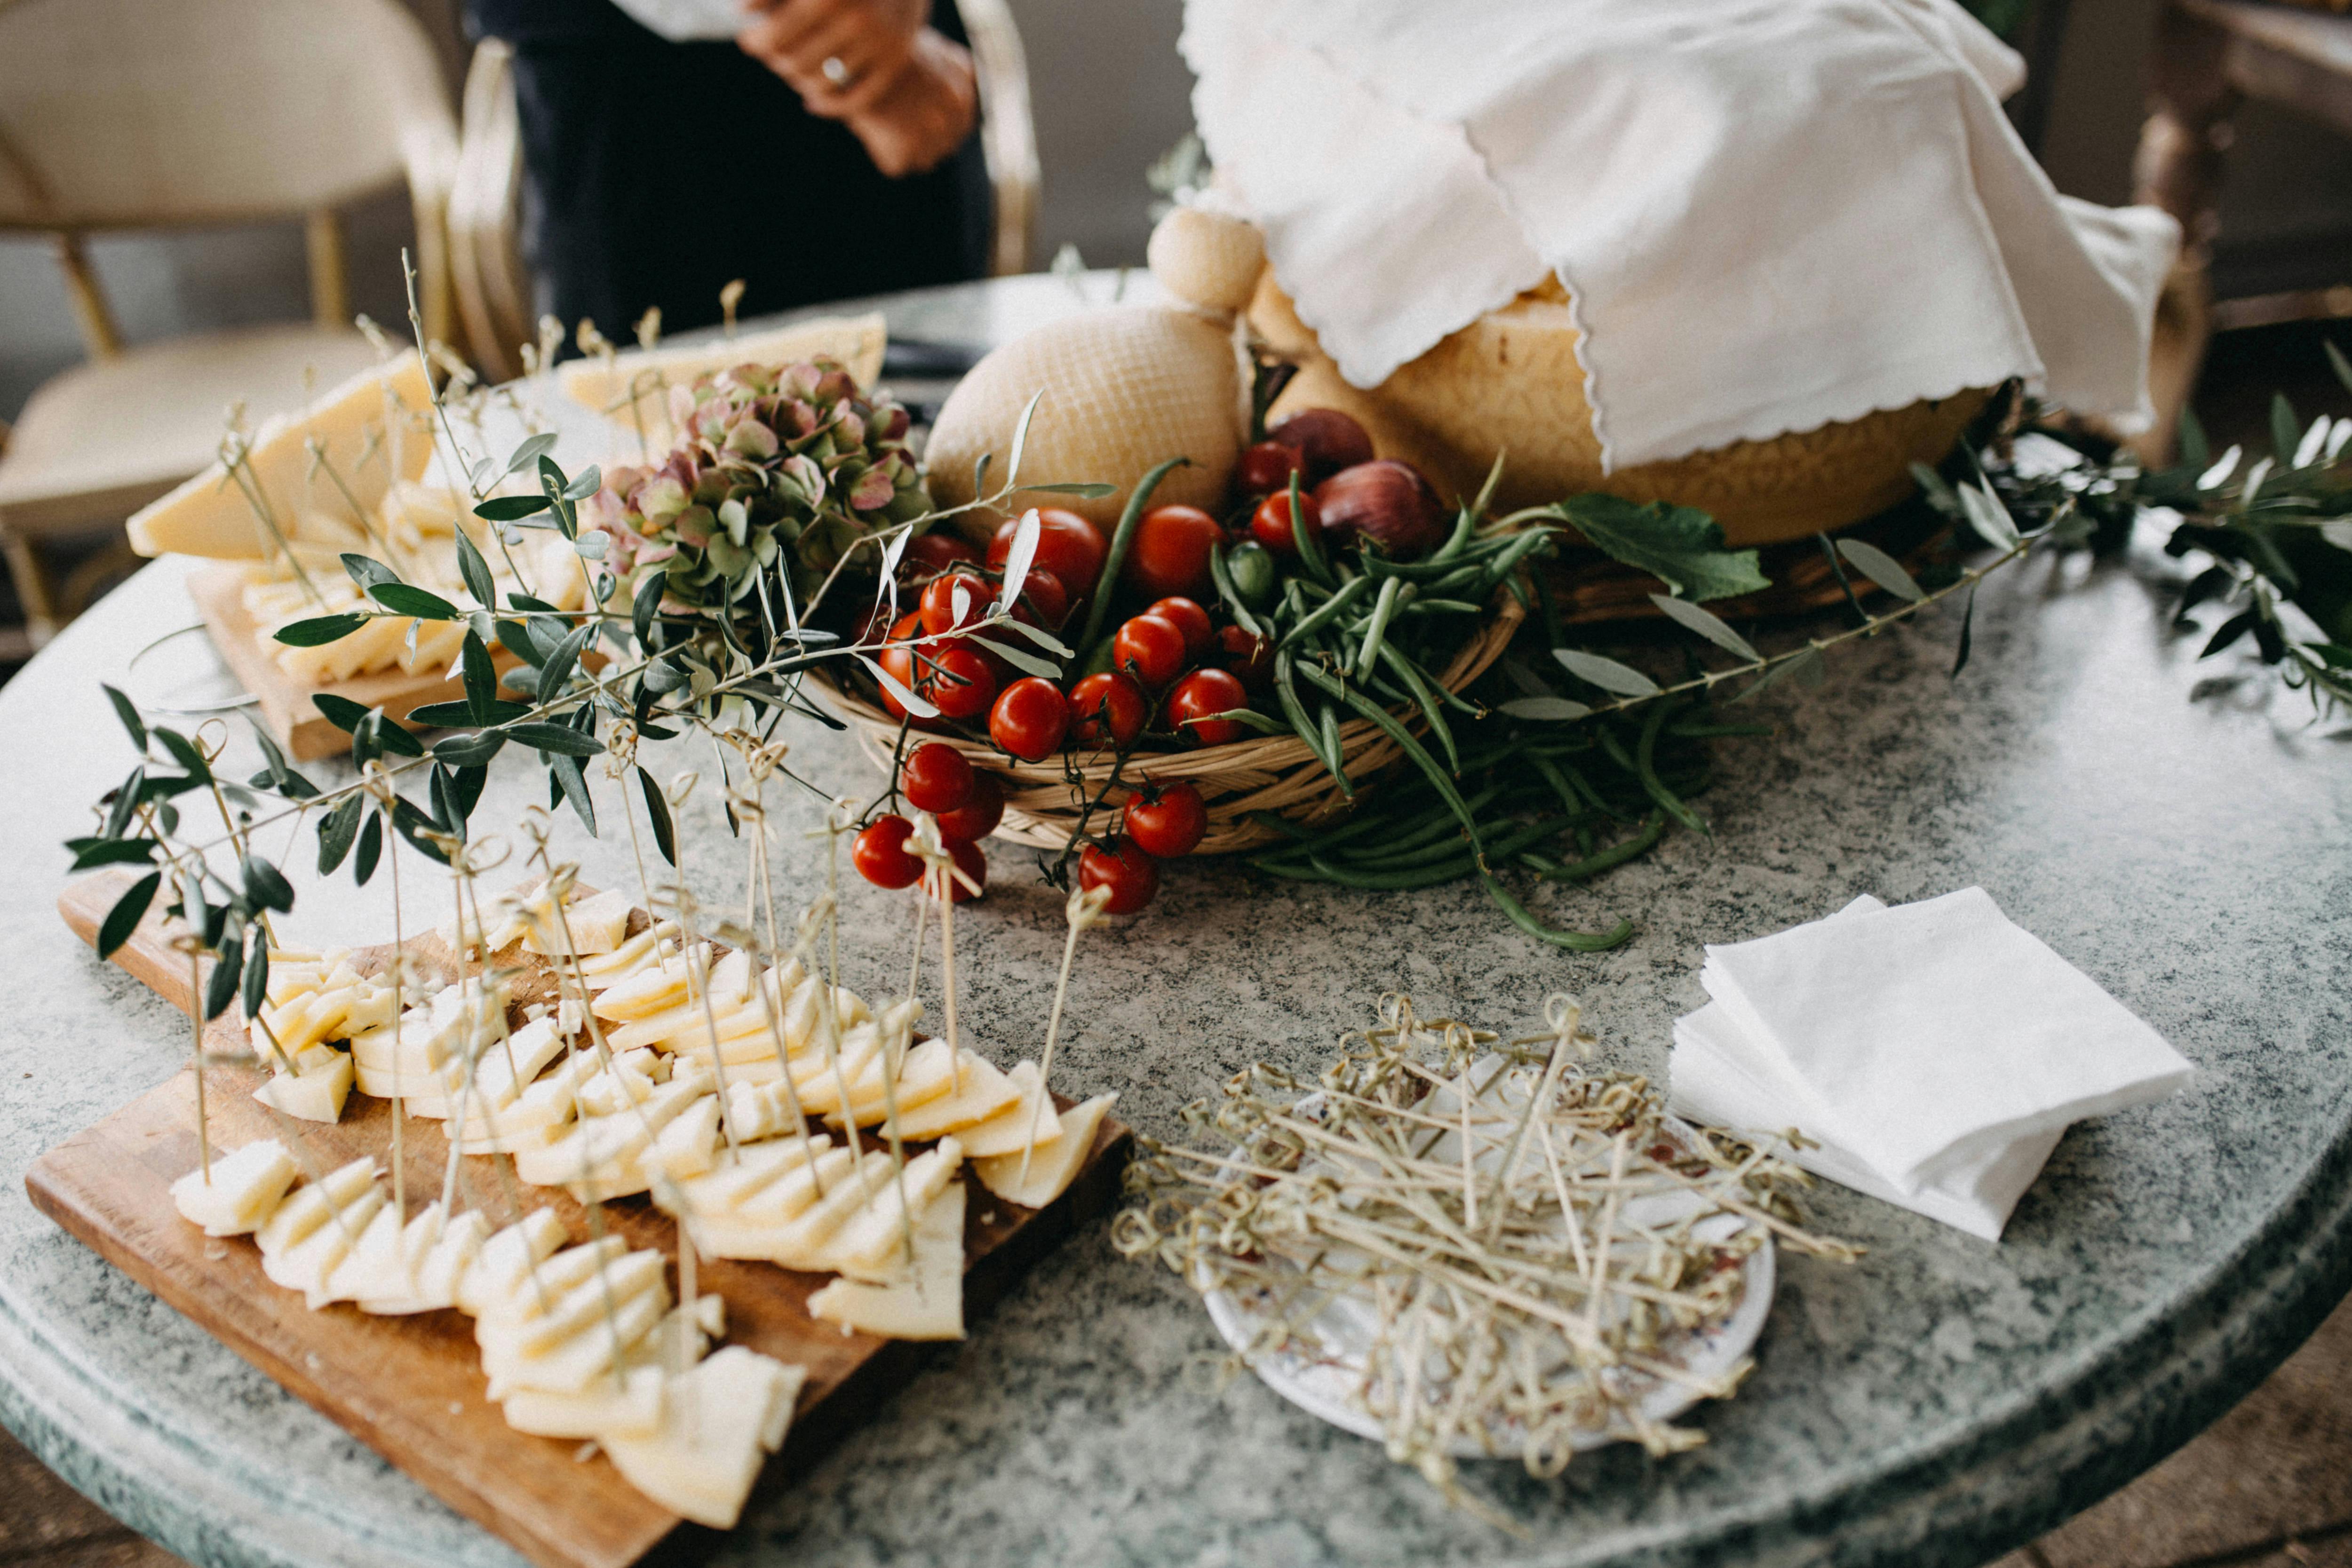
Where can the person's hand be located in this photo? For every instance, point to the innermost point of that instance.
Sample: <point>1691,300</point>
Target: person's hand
<point>840,56</point>
<point>925,111</point>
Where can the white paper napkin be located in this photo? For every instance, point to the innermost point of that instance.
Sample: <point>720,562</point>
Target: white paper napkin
<point>1770,214</point>
<point>1936,1051</point>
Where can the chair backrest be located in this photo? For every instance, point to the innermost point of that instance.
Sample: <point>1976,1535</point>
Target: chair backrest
<point>1008,130</point>
<point>140,113</point>
<point>492,285</point>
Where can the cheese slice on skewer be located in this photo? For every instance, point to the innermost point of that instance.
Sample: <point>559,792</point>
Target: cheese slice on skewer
<point>317,1093</point>
<point>309,1264</point>
<point>312,1204</point>
<point>508,1257</point>
<point>924,1302</point>
<point>985,1093</point>
<point>572,1365</point>
<point>598,925</point>
<point>440,1252</point>
<point>732,1182</point>
<point>209,515</point>
<point>719,1423</point>
<point>871,1244</point>
<point>246,1186</point>
<point>377,1264</point>
<point>1031,1119</point>
<point>1051,1166</point>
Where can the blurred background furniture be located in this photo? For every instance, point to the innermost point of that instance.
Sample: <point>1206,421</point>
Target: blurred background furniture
<point>160,114</point>
<point>2211,56</point>
<point>492,281</point>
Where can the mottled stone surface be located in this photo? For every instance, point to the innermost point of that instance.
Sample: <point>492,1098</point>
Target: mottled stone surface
<point>1940,1401</point>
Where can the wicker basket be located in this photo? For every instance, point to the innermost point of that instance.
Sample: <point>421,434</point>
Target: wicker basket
<point>1273,774</point>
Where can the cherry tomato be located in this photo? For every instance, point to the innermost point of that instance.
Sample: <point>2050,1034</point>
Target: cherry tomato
<point>1133,876</point>
<point>935,552</point>
<point>1200,694</point>
<point>938,610</point>
<point>1170,553</point>
<point>1270,523</point>
<point>1167,821</point>
<point>1067,547</point>
<point>978,816</point>
<point>961,681</point>
<point>972,863</point>
<point>1267,466</point>
<point>1030,719</point>
<point>1150,648</point>
<point>898,661</point>
<point>879,853</point>
<point>1199,633</point>
<point>1108,708</point>
<point>1043,601</point>
<point>935,778</point>
<point>1249,655</point>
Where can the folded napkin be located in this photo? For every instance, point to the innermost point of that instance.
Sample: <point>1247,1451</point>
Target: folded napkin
<point>1770,214</point>
<point>1936,1052</point>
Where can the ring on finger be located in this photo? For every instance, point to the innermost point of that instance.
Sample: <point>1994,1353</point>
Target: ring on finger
<point>836,71</point>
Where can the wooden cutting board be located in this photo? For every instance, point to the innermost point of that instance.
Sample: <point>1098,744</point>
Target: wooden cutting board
<point>293,720</point>
<point>412,1388</point>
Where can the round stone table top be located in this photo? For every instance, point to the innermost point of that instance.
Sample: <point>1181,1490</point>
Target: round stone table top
<point>2181,838</point>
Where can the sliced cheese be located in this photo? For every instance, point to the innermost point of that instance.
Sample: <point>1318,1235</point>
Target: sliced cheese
<point>309,1264</point>
<point>1031,1119</point>
<point>313,1203</point>
<point>719,1423</point>
<point>245,1186</point>
<point>925,1303</point>
<point>508,1257</point>
<point>315,1094</point>
<point>572,1364</point>
<point>605,1410</point>
<point>929,1103</point>
<point>209,515</point>
<point>1051,1166</point>
<point>871,1244</point>
<point>440,1252</point>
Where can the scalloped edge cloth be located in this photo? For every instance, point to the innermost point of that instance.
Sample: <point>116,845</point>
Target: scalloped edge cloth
<point>1770,215</point>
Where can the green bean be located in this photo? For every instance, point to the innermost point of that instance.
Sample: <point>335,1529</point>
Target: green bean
<point>1376,629</point>
<point>1310,544</point>
<point>1575,941</point>
<point>1466,529</point>
<point>1326,614</point>
<point>1122,537</point>
<point>1427,700</point>
<point>1330,717</point>
<point>1617,854</point>
<point>1281,825</point>
<point>1502,847</point>
<point>1509,557</point>
<point>1641,768</point>
<point>1222,574</point>
<point>1569,796</point>
<point>1406,743</point>
<point>1442,607</point>
<point>1452,870</point>
<point>1285,692</point>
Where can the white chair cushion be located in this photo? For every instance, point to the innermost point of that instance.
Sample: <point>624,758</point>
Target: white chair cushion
<point>107,430</point>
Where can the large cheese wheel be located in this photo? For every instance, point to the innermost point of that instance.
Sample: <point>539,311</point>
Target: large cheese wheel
<point>1126,387</point>
<point>1510,381</point>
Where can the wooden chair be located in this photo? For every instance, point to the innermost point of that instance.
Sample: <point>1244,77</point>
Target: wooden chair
<point>493,285</point>
<point>147,114</point>
<point>2211,55</point>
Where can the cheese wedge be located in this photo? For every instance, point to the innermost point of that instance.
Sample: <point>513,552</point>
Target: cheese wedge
<point>311,1204</point>
<point>931,1106</point>
<point>537,1290</point>
<point>719,1423</point>
<point>603,1294</point>
<point>377,1264</point>
<point>317,1092</point>
<point>598,925</point>
<point>209,515</point>
<point>572,1365</point>
<point>925,1303</point>
<point>603,1410</point>
<point>604,970</point>
<point>1031,1119</point>
<point>633,391</point>
<point>1051,1166</point>
<point>246,1186</point>
<point>732,1183</point>
<point>309,1264</point>
<point>508,1257</point>
<point>688,1145</point>
<point>758,1231</point>
<point>440,1252</point>
<point>871,1244</point>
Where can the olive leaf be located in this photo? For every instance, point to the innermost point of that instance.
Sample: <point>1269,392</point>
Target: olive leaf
<point>1553,708</point>
<point>1882,569</point>
<point>337,830</point>
<point>1606,673</point>
<point>1706,623</point>
<point>320,630</point>
<point>657,808</point>
<point>476,572</point>
<point>126,710</point>
<point>410,600</point>
<point>128,911</point>
<point>220,988</point>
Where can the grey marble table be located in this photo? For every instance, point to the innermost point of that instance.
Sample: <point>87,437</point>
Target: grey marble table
<point>1937,1403</point>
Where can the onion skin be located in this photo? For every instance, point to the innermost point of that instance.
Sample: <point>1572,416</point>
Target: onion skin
<point>1386,501</point>
<point>1328,440</point>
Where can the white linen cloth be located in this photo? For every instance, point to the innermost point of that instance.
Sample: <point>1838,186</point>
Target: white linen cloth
<point>1769,214</point>
<point>1936,1051</point>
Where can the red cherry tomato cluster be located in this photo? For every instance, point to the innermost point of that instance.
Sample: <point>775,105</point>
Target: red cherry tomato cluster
<point>1164,674</point>
<point>966,804</point>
